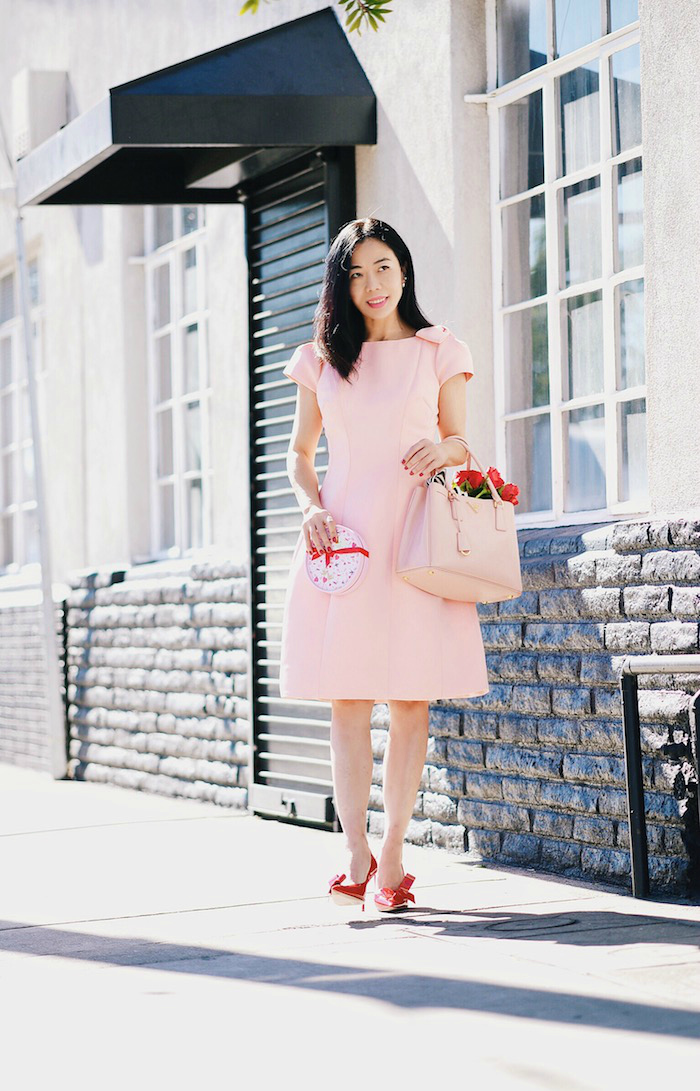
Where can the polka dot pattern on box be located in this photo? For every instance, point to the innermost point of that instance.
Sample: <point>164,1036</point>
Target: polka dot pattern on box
<point>340,571</point>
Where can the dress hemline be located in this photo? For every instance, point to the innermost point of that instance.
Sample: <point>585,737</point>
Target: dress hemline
<point>379,700</point>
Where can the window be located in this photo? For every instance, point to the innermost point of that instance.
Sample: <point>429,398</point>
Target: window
<point>178,380</point>
<point>19,535</point>
<point>569,277</point>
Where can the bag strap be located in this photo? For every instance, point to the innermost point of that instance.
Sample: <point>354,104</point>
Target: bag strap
<point>463,441</point>
<point>470,454</point>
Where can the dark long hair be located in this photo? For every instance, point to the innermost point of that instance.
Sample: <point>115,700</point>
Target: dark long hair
<point>339,328</point>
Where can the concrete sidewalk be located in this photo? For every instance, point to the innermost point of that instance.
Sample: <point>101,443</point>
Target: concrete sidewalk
<point>166,944</point>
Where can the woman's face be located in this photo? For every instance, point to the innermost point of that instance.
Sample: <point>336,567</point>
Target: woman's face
<point>375,279</point>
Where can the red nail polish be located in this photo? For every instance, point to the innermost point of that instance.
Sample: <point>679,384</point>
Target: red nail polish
<point>411,472</point>
<point>421,475</point>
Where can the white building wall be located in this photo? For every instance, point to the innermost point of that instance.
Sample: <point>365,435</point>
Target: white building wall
<point>427,176</point>
<point>670,46</point>
<point>428,173</point>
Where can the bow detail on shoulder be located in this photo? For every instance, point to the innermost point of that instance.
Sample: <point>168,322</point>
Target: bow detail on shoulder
<point>434,333</point>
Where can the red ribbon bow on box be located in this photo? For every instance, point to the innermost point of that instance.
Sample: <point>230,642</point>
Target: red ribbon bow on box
<point>330,552</point>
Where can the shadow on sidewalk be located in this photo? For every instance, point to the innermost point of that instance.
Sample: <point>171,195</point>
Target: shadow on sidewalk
<point>408,990</point>
<point>589,928</point>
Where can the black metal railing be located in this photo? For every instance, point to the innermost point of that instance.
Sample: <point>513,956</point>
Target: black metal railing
<point>632,667</point>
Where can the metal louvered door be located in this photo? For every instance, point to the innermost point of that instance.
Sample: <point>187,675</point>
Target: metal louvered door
<point>291,215</point>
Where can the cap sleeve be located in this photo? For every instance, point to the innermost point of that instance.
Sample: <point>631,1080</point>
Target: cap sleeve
<point>452,357</point>
<point>304,366</point>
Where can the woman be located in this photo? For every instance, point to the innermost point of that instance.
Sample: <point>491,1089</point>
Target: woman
<point>378,379</point>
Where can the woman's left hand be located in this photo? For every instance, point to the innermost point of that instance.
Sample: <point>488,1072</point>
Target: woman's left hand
<point>423,458</point>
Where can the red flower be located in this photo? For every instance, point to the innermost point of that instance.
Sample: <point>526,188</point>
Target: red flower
<point>473,478</point>
<point>510,492</point>
<point>495,477</point>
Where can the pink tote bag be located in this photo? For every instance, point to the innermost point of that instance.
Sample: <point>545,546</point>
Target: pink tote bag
<point>458,547</point>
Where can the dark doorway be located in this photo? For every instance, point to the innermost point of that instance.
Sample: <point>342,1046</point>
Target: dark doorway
<point>292,213</point>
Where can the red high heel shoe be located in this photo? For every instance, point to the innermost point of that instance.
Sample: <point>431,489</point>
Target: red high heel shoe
<point>351,893</point>
<point>388,900</point>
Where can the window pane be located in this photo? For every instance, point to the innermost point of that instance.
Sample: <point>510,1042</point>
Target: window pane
<point>529,454</point>
<point>164,430</point>
<point>193,495</point>
<point>524,252</point>
<point>189,281</point>
<point>584,440</point>
<point>576,23</point>
<point>33,278</point>
<point>630,233</point>
<point>163,369</point>
<point>632,430</point>
<point>25,414</point>
<point>193,437</point>
<point>579,119</point>
<point>167,516</point>
<point>5,362</point>
<point>7,551</point>
<point>525,335</point>
<point>28,473</point>
<point>629,299</point>
<point>190,220</point>
<point>584,332</point>
<point>163,226</point>
<point>8,480</point>
<point>191,358</point>
<point>623,12</point>
<point>522,156</point>
<point>522,37</point>
<point>31,537</point>
<point>7,297</point>
<point>582,231</point>
<point>161,295</point>
<point>7,427</point>
<point>626,99</point>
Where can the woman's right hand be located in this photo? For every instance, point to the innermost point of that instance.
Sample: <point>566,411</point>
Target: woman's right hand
<point>319,530</point>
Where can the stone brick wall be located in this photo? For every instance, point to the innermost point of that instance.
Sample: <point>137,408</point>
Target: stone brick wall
<point>24,708</point>
<point>157,681</point>
<point>532,773</point>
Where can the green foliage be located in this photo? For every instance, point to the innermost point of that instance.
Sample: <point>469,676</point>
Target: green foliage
<point>357,12</point>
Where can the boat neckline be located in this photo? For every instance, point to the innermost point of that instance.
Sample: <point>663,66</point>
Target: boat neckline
<point>391,340</point>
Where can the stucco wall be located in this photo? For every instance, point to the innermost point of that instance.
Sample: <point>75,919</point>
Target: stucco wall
<point>670,45</point>
<point>428,173</point>
<point>94,417</point>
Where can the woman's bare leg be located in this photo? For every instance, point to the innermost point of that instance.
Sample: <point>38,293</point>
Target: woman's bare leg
<point>351,763</point>
<point>404,759</point>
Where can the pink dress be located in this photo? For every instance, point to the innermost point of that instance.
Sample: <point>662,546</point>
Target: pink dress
<point>384,640</point>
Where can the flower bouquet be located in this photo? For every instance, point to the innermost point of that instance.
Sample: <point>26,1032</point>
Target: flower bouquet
<point>474,484</point>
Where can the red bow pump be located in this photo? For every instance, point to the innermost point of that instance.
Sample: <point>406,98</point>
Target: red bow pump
<point>387,900</point>
<point>351,893</point>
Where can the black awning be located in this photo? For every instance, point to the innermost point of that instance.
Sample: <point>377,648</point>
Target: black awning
<point>192,132</point>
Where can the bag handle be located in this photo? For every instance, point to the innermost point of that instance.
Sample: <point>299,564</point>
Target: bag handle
<point>470,454</point>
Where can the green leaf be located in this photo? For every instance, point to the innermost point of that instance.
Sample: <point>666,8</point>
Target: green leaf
<point>372,20</point>
<point>250,5</point>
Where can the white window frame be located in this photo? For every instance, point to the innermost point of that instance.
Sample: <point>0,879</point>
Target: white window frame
<point>543,78</point>
<point>12,331</point>
<point>172,255</point>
